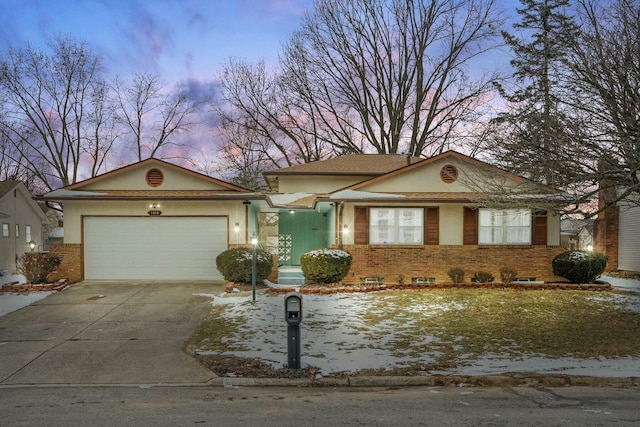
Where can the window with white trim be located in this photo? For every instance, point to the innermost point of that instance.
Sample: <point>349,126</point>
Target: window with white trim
<point>504,227</point>
<point>27,233</point>
<point>5,229</point>
<point>396,226</point>
<point>17,230</point>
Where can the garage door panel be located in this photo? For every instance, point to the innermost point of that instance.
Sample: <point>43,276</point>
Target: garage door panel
<point>175,248</point>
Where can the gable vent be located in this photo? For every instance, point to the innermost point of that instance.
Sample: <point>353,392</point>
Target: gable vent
<point>448,174</point>
<point>154,177</point>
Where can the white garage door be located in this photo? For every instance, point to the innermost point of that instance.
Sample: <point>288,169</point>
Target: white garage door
<point>169,248</point>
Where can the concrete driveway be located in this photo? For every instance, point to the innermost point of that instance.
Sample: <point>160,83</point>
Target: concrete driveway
<point>107,333</point>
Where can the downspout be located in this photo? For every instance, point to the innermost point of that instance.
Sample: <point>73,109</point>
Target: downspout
<point>340,210</point>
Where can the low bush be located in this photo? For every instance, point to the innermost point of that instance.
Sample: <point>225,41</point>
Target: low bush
<point>456,275</point>
<point>36,266</point>
<point>579,266</point>
<point>508,275</point>
<point>235,265</point>
<point>325,265</point>
<point>483,277</point>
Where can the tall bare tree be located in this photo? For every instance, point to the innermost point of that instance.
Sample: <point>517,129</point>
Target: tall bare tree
<point>51,104</point>
<point>605,65</point>
<point>389,76</point>
<point>153,115</point>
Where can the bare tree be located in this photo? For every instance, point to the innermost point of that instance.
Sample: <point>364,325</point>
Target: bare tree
<point>51,101</point>
<point>388,76</point>
<point>605,65</point>
<point>153,115</point>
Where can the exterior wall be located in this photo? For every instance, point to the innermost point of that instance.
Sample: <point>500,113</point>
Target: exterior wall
<point>629,238</point>
<point>390,262</point>
<point>315,184</point>
<point>234,210</point>
<point>20,210</point>
<point>605,235</point>
<point>71,266</point>
<point>450,223</point>
<point>135,179</point>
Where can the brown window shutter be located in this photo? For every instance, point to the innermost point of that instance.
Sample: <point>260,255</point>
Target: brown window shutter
<point>431,226</point>
<point>470,226</point>
<point>539,229</point>
<point>361,226</point>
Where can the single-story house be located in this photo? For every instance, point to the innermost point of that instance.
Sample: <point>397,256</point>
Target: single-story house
<point>22,222</point>
<point>400,217</point>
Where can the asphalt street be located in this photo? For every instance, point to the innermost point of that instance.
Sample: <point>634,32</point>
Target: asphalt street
<point>310,406</point>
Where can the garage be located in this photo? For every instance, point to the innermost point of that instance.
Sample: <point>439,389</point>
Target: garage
<point>153,248</point>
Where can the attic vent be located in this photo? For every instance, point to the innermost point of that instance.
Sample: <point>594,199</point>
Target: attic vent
<point>448,174</point>
<point>154,177</point>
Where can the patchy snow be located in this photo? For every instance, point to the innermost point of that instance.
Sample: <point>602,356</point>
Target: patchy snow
<point>335,338</point>
<point>11,302</point>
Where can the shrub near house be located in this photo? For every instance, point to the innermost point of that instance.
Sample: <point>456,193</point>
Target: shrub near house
<point>325,265</point>
<point>236,265</point>
<point>579,267</point>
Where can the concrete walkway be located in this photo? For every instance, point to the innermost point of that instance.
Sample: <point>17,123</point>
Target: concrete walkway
<point>107,333</point>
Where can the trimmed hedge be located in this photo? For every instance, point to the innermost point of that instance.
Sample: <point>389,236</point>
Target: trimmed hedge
<point>235,265</point>
<point>579,266</point>
<point>325,265</point>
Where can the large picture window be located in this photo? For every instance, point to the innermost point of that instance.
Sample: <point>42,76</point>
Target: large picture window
<point>396,226</point>
<point>504,227</point>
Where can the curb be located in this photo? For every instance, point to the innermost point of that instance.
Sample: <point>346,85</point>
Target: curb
<point>514,380</point>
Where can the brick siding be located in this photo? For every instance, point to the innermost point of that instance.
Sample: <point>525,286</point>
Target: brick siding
<point>71,266</point>
<point>390,262</point>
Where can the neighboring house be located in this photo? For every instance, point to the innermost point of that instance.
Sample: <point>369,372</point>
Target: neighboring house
<point>398,216</point>
<point>22,221</point>
<point>617,235</point>
<point>576,234</point>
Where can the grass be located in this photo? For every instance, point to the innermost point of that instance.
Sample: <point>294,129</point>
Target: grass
<point>459,325</point>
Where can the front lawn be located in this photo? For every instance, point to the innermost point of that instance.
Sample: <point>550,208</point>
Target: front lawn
<point>440,330</point>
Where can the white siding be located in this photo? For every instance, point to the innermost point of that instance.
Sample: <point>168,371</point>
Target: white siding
<point>629,238</point>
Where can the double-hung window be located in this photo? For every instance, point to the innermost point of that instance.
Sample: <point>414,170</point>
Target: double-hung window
<point>27,233</point>
<point>504,227</point>
<point>396,226</point>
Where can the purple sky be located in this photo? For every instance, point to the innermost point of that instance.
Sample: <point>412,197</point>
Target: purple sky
<point>178,39</point>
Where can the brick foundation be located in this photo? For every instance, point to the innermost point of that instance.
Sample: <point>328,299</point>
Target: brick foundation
<point>71,266</point>
<point>391,262</point>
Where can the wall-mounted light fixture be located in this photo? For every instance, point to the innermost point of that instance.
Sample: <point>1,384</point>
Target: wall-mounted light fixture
<point>236,227</point>
<point>345,229</point>
<point>154,209</point>
<point>32,245</point>
<point>590,248</point>
<point>292,211</point>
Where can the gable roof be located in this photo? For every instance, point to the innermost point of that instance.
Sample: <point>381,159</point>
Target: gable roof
<point>453,154</point>
<point>366,165</point>
<point>351,164</point>
<point>151,162</point>
<point>7,186</point>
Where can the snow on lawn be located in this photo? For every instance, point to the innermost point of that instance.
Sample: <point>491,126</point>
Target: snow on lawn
<point>336,338</point>
<point>11,302</point>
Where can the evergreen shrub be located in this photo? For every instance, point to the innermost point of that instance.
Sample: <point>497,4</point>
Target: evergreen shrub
<point>235,265</point>
<point>325,265</point>
<point>579,266</point>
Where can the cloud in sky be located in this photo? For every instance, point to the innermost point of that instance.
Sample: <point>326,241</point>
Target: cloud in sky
<point>178,39</point>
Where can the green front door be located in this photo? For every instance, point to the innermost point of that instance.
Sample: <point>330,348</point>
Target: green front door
<point>300,232</point>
